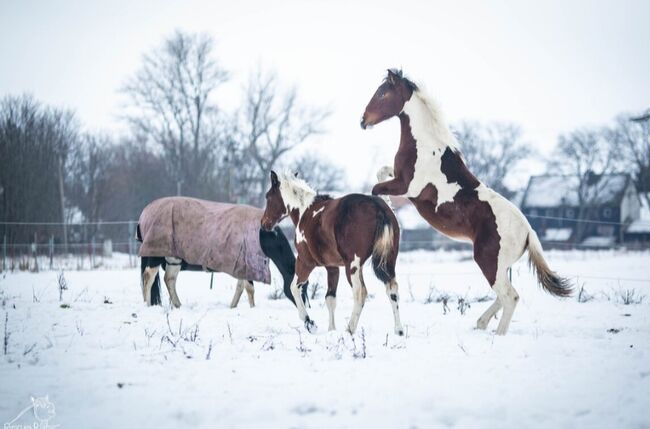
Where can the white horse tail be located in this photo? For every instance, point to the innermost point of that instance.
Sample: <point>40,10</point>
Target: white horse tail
<point>547,278</point>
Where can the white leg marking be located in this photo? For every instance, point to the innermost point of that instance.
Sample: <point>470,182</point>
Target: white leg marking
<point>509,299</point>
<point>295,291</point>
<point>331,306</point>
<point>171,273</point>
<point>359,293</point>
<point>393,297</point>
<point>483,321</point>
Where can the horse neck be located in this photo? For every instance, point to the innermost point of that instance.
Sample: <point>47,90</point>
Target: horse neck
<point>426,124</point>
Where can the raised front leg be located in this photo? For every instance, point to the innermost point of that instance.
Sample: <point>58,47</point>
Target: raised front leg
<point>396,186</point>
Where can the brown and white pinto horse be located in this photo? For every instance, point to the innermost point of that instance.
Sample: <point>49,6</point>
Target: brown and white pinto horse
<point>429,170</point>
<point>335,232</point>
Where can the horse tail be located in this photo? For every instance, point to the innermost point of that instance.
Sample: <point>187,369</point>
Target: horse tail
<point>155,287</point>
<point>547,278</point>
<point>386,244</point>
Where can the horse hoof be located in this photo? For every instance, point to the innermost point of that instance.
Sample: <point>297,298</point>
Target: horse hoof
<point>399,332</point>
<point>310,326</point>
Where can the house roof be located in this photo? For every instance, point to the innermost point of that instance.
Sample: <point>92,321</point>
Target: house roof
<point>561,190</point>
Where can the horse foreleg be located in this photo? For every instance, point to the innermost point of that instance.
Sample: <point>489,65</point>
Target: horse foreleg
<point>393,296</point>
<point>299,281</point>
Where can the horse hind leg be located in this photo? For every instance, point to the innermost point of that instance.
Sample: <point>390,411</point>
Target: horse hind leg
<point>485,318</point>
<point>330,297</point>
<point>508,297</point>
<point>393,296</point>
<point>359,292</point>
<point>250,291</point>
<point>239,289</point>
<point>171,273</point>
<point>148,276</point>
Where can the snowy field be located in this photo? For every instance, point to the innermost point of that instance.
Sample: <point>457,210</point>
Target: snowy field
<point>105,360</point>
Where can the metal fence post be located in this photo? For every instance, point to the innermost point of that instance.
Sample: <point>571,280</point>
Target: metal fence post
<point>131,238</point>
<point>51,250</point>
<point>92,252</point>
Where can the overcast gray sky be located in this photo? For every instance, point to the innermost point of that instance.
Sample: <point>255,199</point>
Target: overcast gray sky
<point>549,66</point>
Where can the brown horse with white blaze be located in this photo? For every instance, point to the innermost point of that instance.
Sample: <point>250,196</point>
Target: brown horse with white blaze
<point>429,170</point>
<point>335,232</point>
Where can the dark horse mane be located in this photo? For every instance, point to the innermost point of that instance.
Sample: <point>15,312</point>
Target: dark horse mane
<point>409,83</point>
<point>322,197</point>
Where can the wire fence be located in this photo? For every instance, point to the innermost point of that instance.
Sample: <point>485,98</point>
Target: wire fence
<point>92,244</point>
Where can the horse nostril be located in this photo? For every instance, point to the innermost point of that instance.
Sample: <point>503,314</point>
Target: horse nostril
<point>363,124</point>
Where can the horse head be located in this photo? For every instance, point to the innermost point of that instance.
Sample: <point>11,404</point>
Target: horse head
<point>389,99</point>
<point>275,208</point>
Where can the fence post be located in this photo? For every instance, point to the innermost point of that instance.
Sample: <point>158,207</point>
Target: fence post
<point>51,250</point>
<point>35,251</point>
<point>131,238</point>
<point>4,253</point>
<point>92,253</point>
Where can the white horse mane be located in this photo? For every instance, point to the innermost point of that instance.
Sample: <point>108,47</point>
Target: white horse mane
<point>432,120</point>
<point>296,193</point>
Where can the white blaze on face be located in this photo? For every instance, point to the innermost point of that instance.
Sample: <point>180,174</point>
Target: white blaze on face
<point>432,139</point>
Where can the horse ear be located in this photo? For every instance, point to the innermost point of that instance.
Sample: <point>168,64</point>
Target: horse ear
<point>275,182</point>
<point>392,76</point>
<point>295,174</point>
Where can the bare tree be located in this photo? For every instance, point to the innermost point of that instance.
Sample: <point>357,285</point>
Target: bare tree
<point>171,99</point>
<point>631,135</point>
<point>274,123</point>
<point>92,164</point>
<point>492,151</point>
<point>590,157</point>
<point>35,142</point>
<point>321,174</point>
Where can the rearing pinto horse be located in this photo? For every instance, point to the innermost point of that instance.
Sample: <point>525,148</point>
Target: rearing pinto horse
<point>335,232</point>
<point>430,171</point>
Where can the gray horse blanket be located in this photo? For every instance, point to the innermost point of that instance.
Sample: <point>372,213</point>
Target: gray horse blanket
<point>216,236</point>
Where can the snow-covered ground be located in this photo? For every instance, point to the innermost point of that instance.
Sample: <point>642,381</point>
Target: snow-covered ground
<point>105,360</point>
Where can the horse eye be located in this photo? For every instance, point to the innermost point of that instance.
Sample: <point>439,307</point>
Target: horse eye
<point>382,94</point>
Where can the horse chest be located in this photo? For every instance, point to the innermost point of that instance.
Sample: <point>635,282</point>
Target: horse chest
<point>428,170</point>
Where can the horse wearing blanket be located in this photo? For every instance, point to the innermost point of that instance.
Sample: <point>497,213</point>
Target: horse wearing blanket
<point>179,233</point>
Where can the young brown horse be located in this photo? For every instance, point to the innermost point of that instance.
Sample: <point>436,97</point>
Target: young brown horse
<point>337,232</point>
<point>429,170</point>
